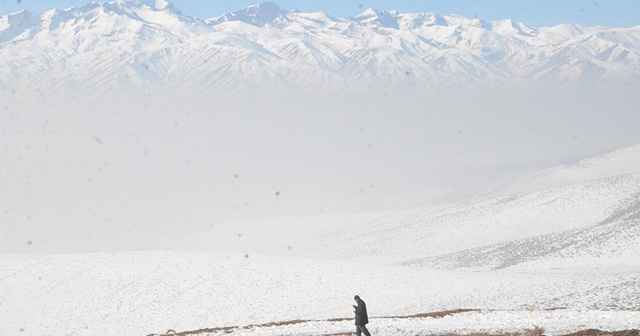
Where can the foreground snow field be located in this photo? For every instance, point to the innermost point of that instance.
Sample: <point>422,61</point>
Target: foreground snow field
<point>139,293</point>
<point>574,267</point>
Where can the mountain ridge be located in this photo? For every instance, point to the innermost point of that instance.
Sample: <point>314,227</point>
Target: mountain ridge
<point>247,48</point>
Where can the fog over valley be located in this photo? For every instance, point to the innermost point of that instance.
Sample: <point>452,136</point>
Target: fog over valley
<point>89,173</point>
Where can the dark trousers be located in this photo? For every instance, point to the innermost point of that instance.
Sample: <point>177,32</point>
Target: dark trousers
<point>362,329</point>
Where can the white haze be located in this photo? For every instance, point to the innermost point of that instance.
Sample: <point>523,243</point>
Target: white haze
<point>100,172</point>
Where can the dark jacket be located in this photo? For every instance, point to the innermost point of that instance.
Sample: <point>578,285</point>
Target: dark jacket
<point>361,313</point>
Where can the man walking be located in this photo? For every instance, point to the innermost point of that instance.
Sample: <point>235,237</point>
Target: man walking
<point>361,316</point>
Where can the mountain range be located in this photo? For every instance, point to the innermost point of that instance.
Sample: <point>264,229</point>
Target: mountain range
<point>149,44</point>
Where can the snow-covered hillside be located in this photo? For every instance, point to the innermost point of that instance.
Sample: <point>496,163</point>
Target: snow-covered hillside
<point>593,220</point>
<point>573,246</point>
<point>149,45</point>
<point>623,161</point>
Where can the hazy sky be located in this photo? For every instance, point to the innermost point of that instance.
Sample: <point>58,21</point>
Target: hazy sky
<point>536,13</point>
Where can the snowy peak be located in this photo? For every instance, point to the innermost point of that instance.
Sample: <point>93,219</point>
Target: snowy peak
<point>374,48</point>
<point>154,5</point>
<point>410,21</point>
<point>13,25</point>
<point>424,19</point>
<point>509,27</point>
<point>150,19</point>
<point>157,11</point>
<point>161,5</point>
<point>461,21</point>
<point>18,19</point>
<point>145,11</point>
<point>257,15</point>
<point>379,18</point>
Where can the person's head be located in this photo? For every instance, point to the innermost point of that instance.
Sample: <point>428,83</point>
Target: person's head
<point>357,298</point>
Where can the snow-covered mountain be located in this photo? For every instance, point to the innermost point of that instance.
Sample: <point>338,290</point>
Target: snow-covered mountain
<point>149,44</point>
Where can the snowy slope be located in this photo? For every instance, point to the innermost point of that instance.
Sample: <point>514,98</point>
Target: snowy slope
<point>149,45</point>
<point>623,161</point>
<point>572,246</point>
<point>601,241</point>
<point>139,293</point>
<point>614,242</point>
<point>587,210</point>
